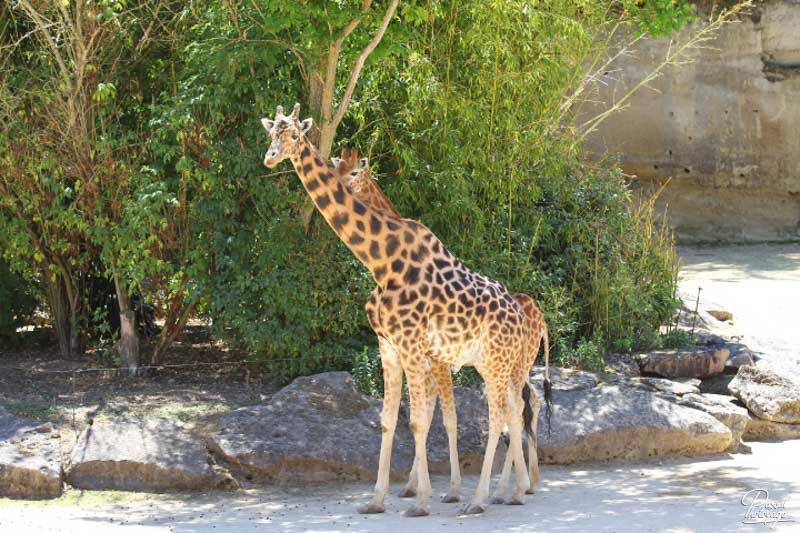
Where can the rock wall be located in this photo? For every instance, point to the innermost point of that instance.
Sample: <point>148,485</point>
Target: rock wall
<point>725,128</point>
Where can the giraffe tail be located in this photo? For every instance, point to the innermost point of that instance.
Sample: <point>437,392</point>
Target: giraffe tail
<point>527,410</point>
<point>547,385</point>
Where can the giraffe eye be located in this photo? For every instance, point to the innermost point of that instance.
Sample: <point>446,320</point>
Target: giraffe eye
<point>295,136</point>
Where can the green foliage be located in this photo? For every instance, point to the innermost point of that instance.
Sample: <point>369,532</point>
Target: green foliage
<point>368,372</point>
<point>677,339</point>
<point>503,187</point>
<point>586,355</point>
<point>461,109</point>
<point>17,303</point>
<point>660,17</point>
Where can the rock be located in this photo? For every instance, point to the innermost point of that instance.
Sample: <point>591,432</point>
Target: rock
<point>620,422</point>
<point>768,394</point>
<point>151,456</point>
<point>321,429</point>
<point>716,384</point>
<point>697,363</point>
<point>623,364</point>
<point>565,379</point>
<point>719,314</point>
<point>30,458</point>
<point>740,355</point>
<point>678,388</point>
<point>758,429</point>
<point>723,409</point>
<point>317,429</point>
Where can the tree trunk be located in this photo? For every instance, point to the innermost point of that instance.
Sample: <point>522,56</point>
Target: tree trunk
<point>59,314</point>
<point>128,344</point>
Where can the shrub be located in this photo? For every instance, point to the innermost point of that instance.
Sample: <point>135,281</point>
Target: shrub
<point>17,303</point>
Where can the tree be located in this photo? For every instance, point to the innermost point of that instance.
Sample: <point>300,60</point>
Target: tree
<point>66,159</point>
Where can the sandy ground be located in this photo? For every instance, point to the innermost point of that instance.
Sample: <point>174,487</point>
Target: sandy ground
<point>670,495</point>
<point>759,284</point>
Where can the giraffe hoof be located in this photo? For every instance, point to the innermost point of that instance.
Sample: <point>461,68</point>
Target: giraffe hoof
<point>516,500</point>
<point>415,511</point>
<point>497,500</point>
<point>371,508</point>
<point>474,508</point>
<point>407,493</point>
<point>451,498</point>
<point>530,491</point>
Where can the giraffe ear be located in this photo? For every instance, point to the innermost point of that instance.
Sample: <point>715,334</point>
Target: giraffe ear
<point>336,161</point>
<point>363,163</point>
<point>267,123</point>
<point>306,125</point>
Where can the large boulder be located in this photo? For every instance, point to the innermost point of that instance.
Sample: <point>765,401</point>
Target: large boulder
<point>767,393</point>
<point>321,429</point>
<point>758,429</point>
<point>148,456</point>
<point>694,363</point>
<point>30,458</point>
<point>624,422</point>
<point>317,429</point>
<point>723,409</point>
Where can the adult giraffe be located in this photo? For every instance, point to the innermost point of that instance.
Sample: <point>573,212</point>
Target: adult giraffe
<point>431,307</point>
<point>355,175</point>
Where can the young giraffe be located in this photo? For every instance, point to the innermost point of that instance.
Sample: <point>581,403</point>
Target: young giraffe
<point>355,175</point>
<point>431,307</point>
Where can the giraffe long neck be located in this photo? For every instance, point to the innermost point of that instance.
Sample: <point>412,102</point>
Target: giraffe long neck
<point>365,189</point>
<point>360,227</point>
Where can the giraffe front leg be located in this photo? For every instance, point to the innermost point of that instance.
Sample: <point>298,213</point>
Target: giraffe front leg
<point>410,490</point>
<point>444,380</point>
<point>419,428</point>
<point>392,387</point>
<point>498,413</point>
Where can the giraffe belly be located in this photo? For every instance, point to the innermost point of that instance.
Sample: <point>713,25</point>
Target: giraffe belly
<point>454,350</point>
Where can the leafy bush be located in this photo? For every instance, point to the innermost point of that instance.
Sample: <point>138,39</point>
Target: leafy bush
<point>17,303</point>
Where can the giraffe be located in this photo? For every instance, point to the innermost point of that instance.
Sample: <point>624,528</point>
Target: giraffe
<point>354,173</point>
<point>430,307</point>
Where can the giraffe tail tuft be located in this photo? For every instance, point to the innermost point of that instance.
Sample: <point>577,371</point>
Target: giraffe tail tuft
<point>527,410</point>
<point>547,385</point>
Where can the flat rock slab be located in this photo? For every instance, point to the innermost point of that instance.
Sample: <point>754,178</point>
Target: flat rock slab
<point>30,458</point>
<point>619,422</point>
<point>758,429</point>
<point>317,429</point>
<point>697,363</point>
<point>767,393</point>
<point>151,456</point>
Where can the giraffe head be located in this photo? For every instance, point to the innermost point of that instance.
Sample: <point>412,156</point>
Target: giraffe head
<point>351,170</point>
<point>286,133</point>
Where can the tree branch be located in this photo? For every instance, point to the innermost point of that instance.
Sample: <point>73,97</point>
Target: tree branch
<point>362,58</point>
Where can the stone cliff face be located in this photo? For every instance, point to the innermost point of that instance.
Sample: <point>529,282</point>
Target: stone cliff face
<point>725,128</point>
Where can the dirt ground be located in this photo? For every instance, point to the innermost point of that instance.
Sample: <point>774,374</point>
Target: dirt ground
<point>759,284</point>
